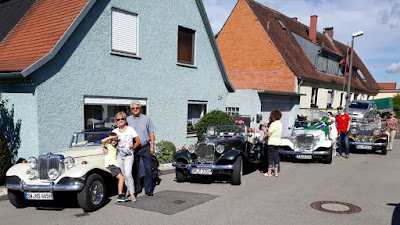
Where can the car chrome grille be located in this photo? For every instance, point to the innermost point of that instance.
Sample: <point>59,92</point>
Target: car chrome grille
<point>362,132</point>
<point>304,141</point>
<point>205,153</point>
<point>45,164</point>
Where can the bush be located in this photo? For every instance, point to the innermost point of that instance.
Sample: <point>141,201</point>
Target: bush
<point>167,150</point>
<point>5,158</point>
<point>214,117</point>
<point>396,105</point>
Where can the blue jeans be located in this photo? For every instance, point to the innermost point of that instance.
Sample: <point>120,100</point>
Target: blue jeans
<point>343,139</point>
<point>144,154</point>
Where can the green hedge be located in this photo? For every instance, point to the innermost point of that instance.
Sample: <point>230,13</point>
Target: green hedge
<point>396,105</point>
<point>167,150</point>
<point>214,117</point>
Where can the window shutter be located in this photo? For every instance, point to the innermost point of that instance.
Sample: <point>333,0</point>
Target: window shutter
<point>124,31</point>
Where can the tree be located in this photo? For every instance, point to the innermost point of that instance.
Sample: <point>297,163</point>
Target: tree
<point>5,156</point>
<point>214,117</point>
<point>396,105</point>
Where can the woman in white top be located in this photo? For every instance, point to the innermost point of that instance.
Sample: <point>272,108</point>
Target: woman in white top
<point>333,134</point>
<point>125,151</point>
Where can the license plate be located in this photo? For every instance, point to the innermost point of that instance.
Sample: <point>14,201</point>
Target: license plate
<point>202,171</point>
<point>369,147</point>
<point>38,195</point>
<point>303,156</point>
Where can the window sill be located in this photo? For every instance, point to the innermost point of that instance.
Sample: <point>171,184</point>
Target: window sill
<point>125,54</point>
<point>191,135</point>
<point>186,65</point>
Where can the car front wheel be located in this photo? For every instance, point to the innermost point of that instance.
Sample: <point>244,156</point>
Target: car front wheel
<point>93,195</point>
<point>17,199</point>
<point>181,175</point>
<point>237,171</point>
<point>328,158</point>
<point>384,150</point>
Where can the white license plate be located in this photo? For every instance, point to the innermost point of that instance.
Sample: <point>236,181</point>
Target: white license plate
<point>38,195</point>
<point>369,147</point>
<point>202,171</point>
<point>303,156</point>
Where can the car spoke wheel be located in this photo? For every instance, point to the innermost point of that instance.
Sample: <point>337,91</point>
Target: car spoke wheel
<point>92,196</point>
<point>237,171</point>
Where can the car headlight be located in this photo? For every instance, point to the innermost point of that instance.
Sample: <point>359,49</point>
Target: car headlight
<point>31,173</point>
<point>353,130</point>
<point>69,162</point>
<point>192,149</point>
<point>220,149</point>
<point>377,132</point>
<point>32,162</point>
<point>53,174</point>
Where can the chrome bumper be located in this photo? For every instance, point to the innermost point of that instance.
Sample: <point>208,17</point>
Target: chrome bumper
<point>368,143</point>
<point>291,152</point>
<point>70,185</point>
<point>208,166</point>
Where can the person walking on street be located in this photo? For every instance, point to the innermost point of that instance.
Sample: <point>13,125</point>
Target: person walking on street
<point>333,134</point>
<point>274,133</point>
<point>128,143</point>
<point>392,127</point>
<point>343,127</point>
<point>145,129</point>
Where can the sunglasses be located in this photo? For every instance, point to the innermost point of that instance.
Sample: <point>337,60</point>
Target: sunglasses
<point>135,108</point>
<point>120,119</point>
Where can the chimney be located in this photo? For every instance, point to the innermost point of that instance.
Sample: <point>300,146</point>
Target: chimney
<point>329,31</point>
<point>313,28</point>
<point>294,19</point>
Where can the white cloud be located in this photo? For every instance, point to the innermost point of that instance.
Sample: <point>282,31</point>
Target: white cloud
<point>394,68</point>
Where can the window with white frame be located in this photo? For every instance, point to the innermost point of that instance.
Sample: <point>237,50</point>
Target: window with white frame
<point>186,45</point>
<point>330,99</point>
<point>196,110</point>
<point>100,111</point>
<point>314,97</point>
<point>124,31</point>
<point>233,111</point>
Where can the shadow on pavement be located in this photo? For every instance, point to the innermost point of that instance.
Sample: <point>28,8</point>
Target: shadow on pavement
<point>396,213</point>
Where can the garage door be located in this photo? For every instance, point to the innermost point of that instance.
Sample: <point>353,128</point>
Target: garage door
<point>285,108</point>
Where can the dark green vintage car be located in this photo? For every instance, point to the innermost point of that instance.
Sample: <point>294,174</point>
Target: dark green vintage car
<point>225,150</point>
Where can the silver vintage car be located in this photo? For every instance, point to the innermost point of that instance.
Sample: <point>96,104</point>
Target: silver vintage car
<point>78,170</point>
<point>306,144</point>
<point>366,134</point>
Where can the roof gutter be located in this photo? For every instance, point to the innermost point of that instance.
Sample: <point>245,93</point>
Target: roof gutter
<point>217,54</point>
<point>60,42</point>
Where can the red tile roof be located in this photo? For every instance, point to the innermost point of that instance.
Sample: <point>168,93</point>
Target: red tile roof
<point>294,55</point>
<point>37,33</point>
<point>387,86</point>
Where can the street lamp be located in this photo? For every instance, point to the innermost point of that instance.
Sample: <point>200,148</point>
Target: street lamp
<point>356,34</point>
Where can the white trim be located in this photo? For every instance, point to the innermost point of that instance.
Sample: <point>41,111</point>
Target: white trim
<point>60,42</point>
<point>111,101</point>
<point>194,102</point>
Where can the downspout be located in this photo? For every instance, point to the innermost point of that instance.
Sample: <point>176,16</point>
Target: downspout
<point>299,82</point>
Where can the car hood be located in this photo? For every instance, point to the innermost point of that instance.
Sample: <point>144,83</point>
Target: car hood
<point>353,111</point>
<point>81,152</point>
<point>314,133</point>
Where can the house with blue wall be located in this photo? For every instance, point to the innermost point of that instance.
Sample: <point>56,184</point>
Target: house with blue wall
<point>67,66</point>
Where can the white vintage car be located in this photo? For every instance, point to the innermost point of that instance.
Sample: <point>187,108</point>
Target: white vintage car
<point>79,169</point>
<point>306,144</point>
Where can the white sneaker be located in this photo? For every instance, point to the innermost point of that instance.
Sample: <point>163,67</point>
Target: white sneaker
<point>267,175</point>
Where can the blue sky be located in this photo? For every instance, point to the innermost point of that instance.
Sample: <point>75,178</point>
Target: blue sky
<point>379,47</point>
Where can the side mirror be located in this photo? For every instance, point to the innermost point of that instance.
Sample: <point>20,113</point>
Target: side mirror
<point>258,118</point>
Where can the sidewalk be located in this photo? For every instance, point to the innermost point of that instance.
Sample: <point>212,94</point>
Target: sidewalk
<point>162,167</point>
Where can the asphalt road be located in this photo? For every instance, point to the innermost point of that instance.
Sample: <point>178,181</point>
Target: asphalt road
<point>369,181</point>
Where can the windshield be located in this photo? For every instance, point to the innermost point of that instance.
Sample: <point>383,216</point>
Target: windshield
<point>303,124</point>
<point>226,130</point>
<point>366,121</point>
<point>359,105</point>
<point>88,138</point>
